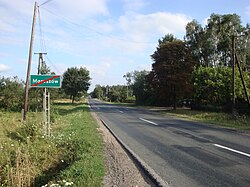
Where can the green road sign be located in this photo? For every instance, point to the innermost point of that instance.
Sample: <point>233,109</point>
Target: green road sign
<point>45,81</point>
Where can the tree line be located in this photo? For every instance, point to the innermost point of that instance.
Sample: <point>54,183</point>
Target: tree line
<point>196,70</point>
<point>75,84</point>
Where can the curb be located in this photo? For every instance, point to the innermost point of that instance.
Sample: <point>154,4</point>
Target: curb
<point>156,179</point>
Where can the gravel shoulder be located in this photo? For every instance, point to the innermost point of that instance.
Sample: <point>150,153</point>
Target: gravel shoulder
<point>121,171</point>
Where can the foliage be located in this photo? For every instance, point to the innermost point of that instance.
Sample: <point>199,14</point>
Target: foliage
<point>11,94</point>
<point>214,85</point>
<point>171,71</point>
<point>72,156</point>
<point>100,92</point>
<point>76,82</point>
<point>117,93</point>
<point>138,81</point>
<point>211,45</point>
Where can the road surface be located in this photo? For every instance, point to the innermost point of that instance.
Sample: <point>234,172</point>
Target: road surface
<point>182,153</point>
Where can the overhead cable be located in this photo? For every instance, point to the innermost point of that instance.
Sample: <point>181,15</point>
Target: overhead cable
<point>97,32</point>
<point>45,3</point>
<point>42,43</point>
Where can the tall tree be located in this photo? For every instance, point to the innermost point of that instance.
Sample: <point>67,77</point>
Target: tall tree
<point>167,38</point>
<point>138,80</point>
<point>171,71</point>
<point>99,92</point>
<point>76,82</point>
<point>211,45</point>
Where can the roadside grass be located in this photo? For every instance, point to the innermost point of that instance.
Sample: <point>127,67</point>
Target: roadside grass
<point>72,156</point>
<point>241,122</point>
<point>120,103</point>
<point>217,118</point>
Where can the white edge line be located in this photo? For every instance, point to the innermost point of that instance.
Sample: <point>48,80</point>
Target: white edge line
<point>149,121</point>
<point>233,150</point>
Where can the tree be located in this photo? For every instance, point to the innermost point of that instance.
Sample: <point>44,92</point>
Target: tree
<point>11,94</point>
<point>171,71</point>
<point>129,77</point>
<point>117,93</point>
<point>211,45</point>
<point>99,92</point>
<point>138,81</point>
<point>212,85</point>
<point>76,82</point>
<point>167,38</point>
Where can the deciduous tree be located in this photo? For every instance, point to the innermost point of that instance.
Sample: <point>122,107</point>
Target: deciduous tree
<point>76,82</point>
<point>171,71</point>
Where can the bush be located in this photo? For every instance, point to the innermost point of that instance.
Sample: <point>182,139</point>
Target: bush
<point>11,94</point>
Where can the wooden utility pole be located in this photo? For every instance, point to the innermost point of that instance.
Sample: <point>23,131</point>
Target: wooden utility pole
<point>29,64</point>
<point>233,74</point>
<point>242,80</point>
<point>40,62</point>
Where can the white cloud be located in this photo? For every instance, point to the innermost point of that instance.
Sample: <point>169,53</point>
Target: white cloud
<point>101,69</point>
<point>4,68</point>
<point>78,9</point>
<point>15,18</point>
<point>159,22</point>
<point>133,5</point>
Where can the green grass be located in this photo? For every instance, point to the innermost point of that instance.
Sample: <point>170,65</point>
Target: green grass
<point>241,122</point>
<point>217,118</point>
<point>74,152</point>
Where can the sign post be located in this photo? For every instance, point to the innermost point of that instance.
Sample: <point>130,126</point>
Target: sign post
<point>46,81</point>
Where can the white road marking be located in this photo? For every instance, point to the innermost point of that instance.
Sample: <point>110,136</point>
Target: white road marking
<point>121,111</point>
<point>233,150</point>
<point>149,121</point>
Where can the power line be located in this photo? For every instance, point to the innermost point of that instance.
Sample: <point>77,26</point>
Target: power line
<point>66,20</point>
<point>58,71</point>
<point>45,3</point>
<point>42,43</point>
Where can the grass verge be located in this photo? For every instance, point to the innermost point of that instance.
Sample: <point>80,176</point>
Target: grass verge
<point>241,122</point>
<point>217,118</point>
<point>72,156</point>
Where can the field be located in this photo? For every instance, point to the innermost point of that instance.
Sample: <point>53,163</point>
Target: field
<point>72,156</point>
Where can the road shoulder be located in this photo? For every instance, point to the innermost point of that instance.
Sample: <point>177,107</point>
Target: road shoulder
<point>120,169</point>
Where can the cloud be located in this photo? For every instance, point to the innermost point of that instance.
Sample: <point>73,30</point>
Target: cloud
<point>15,21</point>
<point>79,9</point>
<point>101,69</point>
<point>148,24</point>
<point>14,13</point>
<point>133,5</point>
<point>4,68</point>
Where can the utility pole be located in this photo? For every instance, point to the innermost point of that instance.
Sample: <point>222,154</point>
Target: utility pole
<point>242,80</point>
<point>40,62</point>
<point>29,64</point>
<point>233,74</point>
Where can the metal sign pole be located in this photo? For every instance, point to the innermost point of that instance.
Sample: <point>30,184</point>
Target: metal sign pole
<point>49,128</point>
<point>44,112</point>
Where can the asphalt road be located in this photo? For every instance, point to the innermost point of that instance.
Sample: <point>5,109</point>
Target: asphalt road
<point>182,153</point>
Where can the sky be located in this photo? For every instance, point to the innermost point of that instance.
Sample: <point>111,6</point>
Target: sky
<point>108,37</point>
